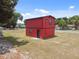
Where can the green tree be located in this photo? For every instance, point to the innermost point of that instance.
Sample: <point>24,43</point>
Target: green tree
<point>62,24</point>
<point>57,20</point>
<point>6,10</point>
<point>75,21</point>
<point>14,19</point>
<point>66,20</point>
<point>12,23</point>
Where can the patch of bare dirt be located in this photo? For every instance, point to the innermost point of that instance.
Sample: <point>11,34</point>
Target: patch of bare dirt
<point>15,54</point>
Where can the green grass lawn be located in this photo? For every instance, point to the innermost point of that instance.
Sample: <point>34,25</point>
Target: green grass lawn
<point>64,46</point>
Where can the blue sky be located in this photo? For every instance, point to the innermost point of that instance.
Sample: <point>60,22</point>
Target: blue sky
<point>56,8</point>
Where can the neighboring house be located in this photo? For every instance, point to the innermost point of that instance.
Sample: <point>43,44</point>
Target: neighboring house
<point>41,27</point>
<point>20,24</point>
<point>57,27</point>
<point>69,27</point>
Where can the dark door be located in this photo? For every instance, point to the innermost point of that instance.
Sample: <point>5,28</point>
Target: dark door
<point>38,33</point>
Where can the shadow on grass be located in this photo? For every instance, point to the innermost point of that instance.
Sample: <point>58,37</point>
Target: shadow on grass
<point>15,41</point>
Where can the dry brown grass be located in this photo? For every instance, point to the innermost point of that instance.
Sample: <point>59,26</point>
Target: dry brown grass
<point>64,46</point>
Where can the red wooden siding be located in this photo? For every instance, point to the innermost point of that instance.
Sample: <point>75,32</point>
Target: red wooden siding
<point>34,23</point>
<point>42,27</point>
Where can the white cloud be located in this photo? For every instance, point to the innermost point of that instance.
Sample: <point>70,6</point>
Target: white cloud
<point>72,7</point>
<point>42,11</point>
<point>28,14</point>
<point>55,13</point>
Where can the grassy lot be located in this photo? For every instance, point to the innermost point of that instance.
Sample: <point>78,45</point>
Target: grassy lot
<point>64,46</point>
